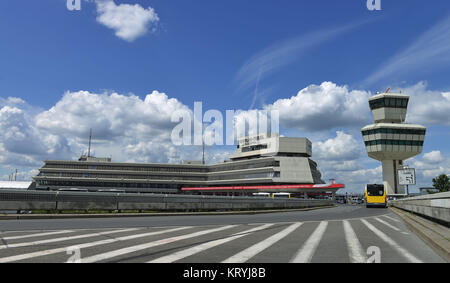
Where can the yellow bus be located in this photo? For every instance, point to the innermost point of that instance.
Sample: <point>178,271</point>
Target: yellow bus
<point>375,195</point>
<point>281,195</point>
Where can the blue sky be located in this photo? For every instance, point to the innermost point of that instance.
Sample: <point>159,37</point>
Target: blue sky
<point>229,55</point>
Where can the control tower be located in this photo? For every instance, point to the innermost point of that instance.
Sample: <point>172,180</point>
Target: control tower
<point>390,140</point>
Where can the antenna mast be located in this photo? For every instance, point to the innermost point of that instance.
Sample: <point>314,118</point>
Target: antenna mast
<point>203,144</point>
<point>90,138</point>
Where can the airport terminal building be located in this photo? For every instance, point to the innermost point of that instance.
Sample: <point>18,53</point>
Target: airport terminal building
<point>263,163</point>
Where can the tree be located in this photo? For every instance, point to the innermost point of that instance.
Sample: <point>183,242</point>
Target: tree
<point>442,183</point>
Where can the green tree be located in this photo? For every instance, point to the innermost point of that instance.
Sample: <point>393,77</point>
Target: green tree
<point>442,183</point>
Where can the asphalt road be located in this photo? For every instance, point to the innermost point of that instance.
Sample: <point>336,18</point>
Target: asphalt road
<point>341,234</point>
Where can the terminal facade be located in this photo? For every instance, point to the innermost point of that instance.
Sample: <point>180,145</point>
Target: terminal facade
<point>262,163</point>
<point>391,140</point>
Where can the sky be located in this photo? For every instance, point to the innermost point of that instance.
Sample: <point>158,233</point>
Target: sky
<point>123,67</point>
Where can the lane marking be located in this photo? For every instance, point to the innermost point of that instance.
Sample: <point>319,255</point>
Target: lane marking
<point>62,239</point>
<point>391,218</point>
<point>116,253</point>
<point>392,243</point>
<point>387,224</point>
<point>306,253</point>
<point>86,245</point>
<point>356,252</point>
<point>37,235</point>
<point>203,247</point>
<point>250,252</point>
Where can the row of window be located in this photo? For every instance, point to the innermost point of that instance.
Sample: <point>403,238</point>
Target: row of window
<point>105,184</point>
<point>246,176</point>
<point>113,176</point>
<point>220,168</point>
<point>254,147</point>
<point>127,168</point>
<point>232,167</point>
<point>171,178</point>
<point>394,131</point>
<point>394,142</point>
<point>390,102</point>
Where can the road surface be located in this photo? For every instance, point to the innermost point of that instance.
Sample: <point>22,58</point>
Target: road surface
<point>342,234</point>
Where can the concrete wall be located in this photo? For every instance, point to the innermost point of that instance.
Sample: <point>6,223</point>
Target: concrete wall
<point>435,206</point>
<point>295,170</point>
<point>10,200</point>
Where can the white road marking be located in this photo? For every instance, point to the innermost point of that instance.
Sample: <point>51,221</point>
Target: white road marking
<point>387,224</point>
<point>391,242</point>
<point>86,245</point>
<point>145,246</point>
<point>69,238</point>
<point>203,247</point>
<point>37,235</point>
<point>250,252</point>
<point>356,252</point>
<point>306,253</point>
<point>391,218</point>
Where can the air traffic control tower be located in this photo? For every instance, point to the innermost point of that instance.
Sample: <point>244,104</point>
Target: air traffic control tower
<point>391,140</point>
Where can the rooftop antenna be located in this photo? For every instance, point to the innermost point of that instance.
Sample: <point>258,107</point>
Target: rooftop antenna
<point>90,139</point>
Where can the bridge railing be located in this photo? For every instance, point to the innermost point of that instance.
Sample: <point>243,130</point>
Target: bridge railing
<point>434,206</point>
<point>66,201</point>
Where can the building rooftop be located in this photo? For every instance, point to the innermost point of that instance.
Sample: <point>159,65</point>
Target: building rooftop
<point>13,185</point>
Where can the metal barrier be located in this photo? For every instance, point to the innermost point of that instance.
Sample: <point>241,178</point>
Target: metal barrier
<point>58,201</point>
<point>434,206</point>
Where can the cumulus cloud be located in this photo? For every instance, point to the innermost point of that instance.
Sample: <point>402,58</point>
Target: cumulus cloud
<point>111,115</point>
<point>128,21</point>
<point>433,157</point>
<point>126,127</point>
<point>324,107</point>
<point>429,166</point>
<point>342,147</point>
<point>427,107</point>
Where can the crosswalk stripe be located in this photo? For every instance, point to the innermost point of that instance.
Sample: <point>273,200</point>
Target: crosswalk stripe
<point>250,252</point>
<point>391,242</point>
<point>36,235</point>
<point>86,245</point>
<point>306,253</point>
<point>136,248</point>
<point>387,224</point>
<point>391,218</point>
<point>69,238</point>
<point>356,252</point>
<point>200,248</point>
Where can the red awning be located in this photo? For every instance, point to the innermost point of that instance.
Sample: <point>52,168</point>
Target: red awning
<point>274,187</point>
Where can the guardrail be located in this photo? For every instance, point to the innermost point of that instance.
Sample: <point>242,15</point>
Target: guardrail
<point>434,206</point>
<point>63,201</point>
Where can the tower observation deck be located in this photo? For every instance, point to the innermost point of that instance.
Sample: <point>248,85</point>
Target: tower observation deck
<point>391,140</point>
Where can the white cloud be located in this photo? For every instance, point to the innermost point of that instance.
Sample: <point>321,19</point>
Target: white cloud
<point>324,107</point>
<point>427,107</point>
<point>125,127</point>
<point>112,116</point>
<point>433,157</point>
<point>429,166</point>
<point>128,21</point>
<point>342,147</point>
